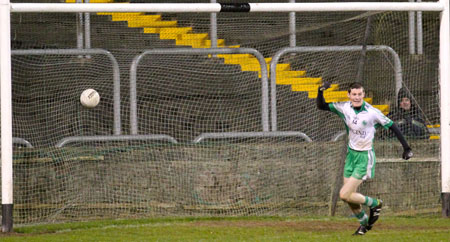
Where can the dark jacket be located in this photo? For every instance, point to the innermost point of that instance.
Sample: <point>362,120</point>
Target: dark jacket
<point>410,122</point>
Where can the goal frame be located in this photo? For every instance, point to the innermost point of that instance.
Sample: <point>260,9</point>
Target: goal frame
<point>6,8</point>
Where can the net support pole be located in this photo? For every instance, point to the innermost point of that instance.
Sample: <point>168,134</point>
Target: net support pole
<point>6,116</point>
<point>80,35</point>
<point>213,28</point>
<point>87,30</point>
<point>419,26</point>
<point>412,31</point>
<point>292,28</point>
<point>444,69</point>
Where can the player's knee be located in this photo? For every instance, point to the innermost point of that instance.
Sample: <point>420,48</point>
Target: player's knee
<point>344,195</point>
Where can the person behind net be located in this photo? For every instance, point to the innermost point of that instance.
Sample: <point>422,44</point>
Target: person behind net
<point>408,118</point>
<point>360,119</point>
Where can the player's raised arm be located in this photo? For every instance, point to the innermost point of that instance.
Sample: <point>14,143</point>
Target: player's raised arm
<point>321,104</point>
<point>407,152</point>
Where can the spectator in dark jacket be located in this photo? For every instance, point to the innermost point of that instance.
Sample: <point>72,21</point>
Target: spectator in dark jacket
<point>407,117</point>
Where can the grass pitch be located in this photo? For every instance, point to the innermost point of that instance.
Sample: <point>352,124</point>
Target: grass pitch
<point>430,228</point>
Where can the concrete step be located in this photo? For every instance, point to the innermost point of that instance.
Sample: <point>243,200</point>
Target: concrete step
<point>156,23</point>
<point>257,67</point>
<point>311,88</point>
<point>289,74</point>
<point>384,108</point>
<point>137,19</point>
<point>169,30</point>
<point>299,80</point>
<point>329,93</point>
<point>121,15</point>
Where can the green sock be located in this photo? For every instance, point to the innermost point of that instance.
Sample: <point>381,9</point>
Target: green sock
<point>362,217</point>
<point>371,202</point>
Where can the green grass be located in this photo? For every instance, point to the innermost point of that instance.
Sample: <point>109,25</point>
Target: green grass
<point>237,229</point>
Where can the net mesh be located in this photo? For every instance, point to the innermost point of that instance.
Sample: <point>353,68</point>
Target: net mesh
<point>184,96</point>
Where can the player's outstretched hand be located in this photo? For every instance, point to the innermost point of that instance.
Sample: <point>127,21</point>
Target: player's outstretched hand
<point>325,86</point>
<point>407,154</point>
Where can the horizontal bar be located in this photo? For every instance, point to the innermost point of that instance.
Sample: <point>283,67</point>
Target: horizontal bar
<point>105,138</point>
<point>116,7</point>
<point>22,141</point>
<point>228,135</point>
<point>217,7</point>
<point>343,6</point>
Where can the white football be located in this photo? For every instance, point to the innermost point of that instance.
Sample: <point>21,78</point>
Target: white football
<point>90,98</point>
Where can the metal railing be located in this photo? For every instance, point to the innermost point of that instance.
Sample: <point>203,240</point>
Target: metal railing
<point>190,51</point>
<point>103,138</point>
<point>277,56</point>
<point>115,66</point>
<point>229,135</point>
<point>22,141</point>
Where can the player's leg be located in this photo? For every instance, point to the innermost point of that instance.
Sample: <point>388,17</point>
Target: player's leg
<point>374,204</point>
<point>354,171</point>
<point>348,191</point>
<point>348,194</point>
<point>359,166</point>
<point>374,214</point>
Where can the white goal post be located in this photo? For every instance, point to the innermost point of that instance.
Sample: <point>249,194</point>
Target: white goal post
<point>6,8</point>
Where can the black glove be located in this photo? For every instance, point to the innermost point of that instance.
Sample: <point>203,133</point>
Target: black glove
<point>325,86</point>
<point>407,153</point>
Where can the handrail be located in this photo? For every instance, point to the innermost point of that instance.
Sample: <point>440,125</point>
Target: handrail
<point>116,73</point>
<point>277,56</point>
<point>156,137</point>
<point>338,135</point>
<point>270,134</point>
<point>22,141</point>
<point>190,51</point>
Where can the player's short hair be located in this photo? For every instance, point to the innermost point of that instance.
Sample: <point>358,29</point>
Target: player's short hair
<point>355,85</point>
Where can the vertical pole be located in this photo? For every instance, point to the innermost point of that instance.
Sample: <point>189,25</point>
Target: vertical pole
<point>87,30</point>
<point>213,26</point>
<point>339,180</point>
<point>6,116</point>
<point>363,57</point>
<point>444,69</point>
<point>412,32</point>
<point>79,29</point>
<point>419,32</point>
<point>292,28</point>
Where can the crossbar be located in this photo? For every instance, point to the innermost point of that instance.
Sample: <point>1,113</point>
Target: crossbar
<point>230,7</point>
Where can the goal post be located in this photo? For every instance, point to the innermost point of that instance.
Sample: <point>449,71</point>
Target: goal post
<point>445,106</point>
<point>6,117</point>
<point>6,8</point>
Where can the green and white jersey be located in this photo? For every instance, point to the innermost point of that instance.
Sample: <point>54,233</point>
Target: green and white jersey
<point>360,124</point>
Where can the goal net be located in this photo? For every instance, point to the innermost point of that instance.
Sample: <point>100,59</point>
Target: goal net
<point>193,133</point>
